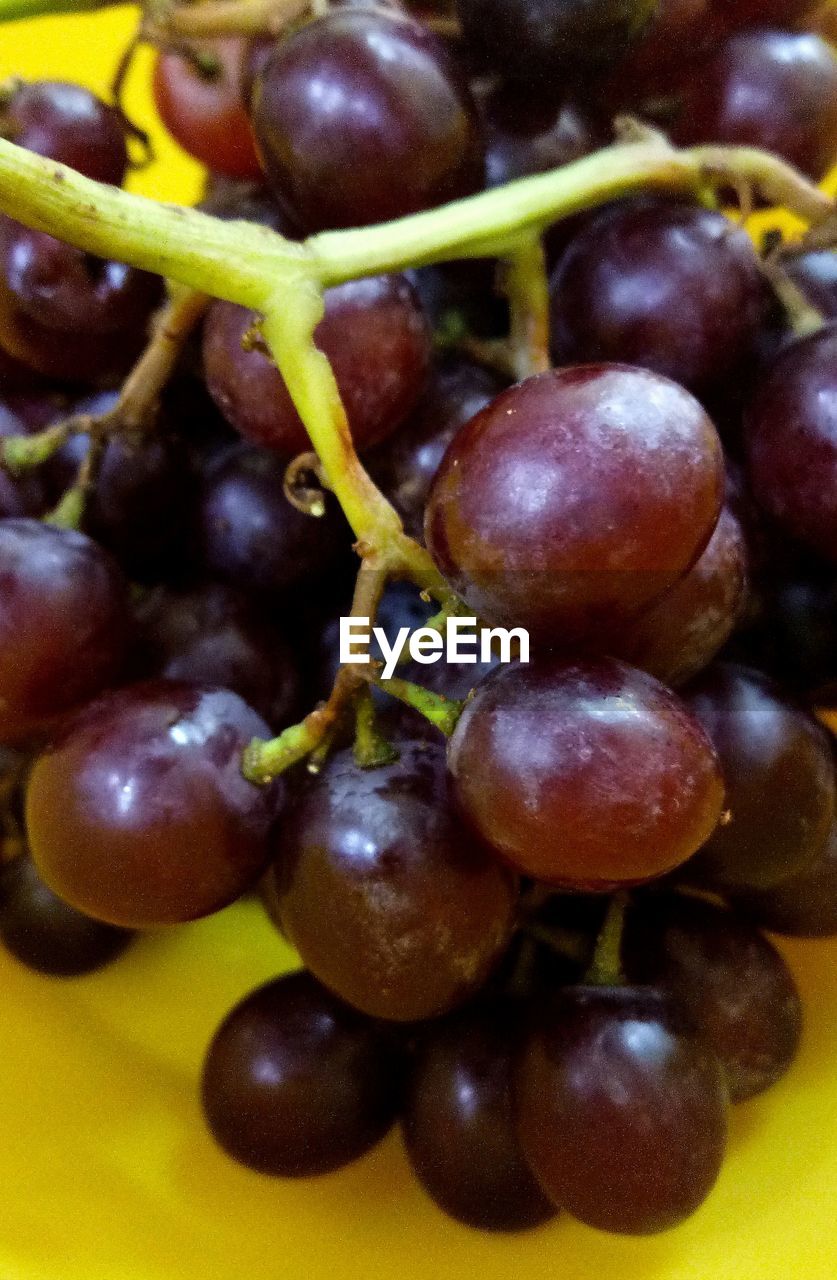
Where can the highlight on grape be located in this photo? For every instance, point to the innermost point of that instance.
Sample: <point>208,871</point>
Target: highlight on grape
<point>464,640</point>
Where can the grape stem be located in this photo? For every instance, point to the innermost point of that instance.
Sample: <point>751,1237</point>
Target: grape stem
<point>165,23</point>
<point>606,966</point>
<point>803,317</point>
<point>526,287</point>
<point>10,10</point>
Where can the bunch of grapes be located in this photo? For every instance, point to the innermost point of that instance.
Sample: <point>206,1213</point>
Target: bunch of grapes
<point>535,379</point>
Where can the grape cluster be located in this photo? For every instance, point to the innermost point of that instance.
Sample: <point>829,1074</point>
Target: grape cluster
<point>537,947</point>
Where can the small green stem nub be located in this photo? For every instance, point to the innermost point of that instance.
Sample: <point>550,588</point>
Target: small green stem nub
<point>440,711</point>
<point>371,749</point>
<point>606,967</point>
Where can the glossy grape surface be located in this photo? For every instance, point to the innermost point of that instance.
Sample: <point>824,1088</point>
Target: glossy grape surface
<point>206,112</point>
<point>667,286</point>
<point>296,1083</point>
<point>587,775</point>
<point>376,338</point>
<point>687,628</point>
<point>771,89</point>
<point>803,906</point>
<point>138,813</point>
<point>381,889</point>
<point>791,441</point>
<point>63,624</point>
<point>459,1123</point>
<point>622,1112</point>
<point>548,512</point>
<point>731,982</point>
<point>46,934</point>
<point>360,117</point>
<point>816,274</point>
<point>67,123</point>
<point>779,776</point>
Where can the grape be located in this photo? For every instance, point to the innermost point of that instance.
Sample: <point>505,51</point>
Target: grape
<point>463,295</point>
<point>383,893</point>
<point>295,1083</point>
<point>534,40</point>
<point>459,1124</point>
<point>67,123</point>
<point>668,286</point>
<point>770,89</point>
<point>405,464</point>
<point>727,978</point>
<point>139,815</point>
<point>588,775</point>
<point>252,536</point>
<point>63,624</point>
<point>45,933</point>
<point>377,339</point>
<point>803,906</point>
<point>677,33</point>
<point>361,117</point>
<point>204,109</point>
<point>548,510</point>
<point>779,776</point>
<point>791,441</point>
<point>687,628</point>
<point>762,13</point>
<point>526,136</point>
<point>142,507</point>
<point>816,274</point>
<point>67,314</point>
<point>623,1113</point>
<point>212,635</point>
<point>19,495</point>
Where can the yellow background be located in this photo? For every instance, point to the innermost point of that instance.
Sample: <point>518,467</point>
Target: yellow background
<point>106,1171</point>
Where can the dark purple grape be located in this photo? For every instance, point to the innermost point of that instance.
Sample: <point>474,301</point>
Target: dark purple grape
<point>67,123</point>
<point>779,777</point>
<point>732,984</point>
<point>590,775</point>
<point>463,297</point>
<point>212,635</point>
<point>687,628</point>
<point>251,535</point>
<point>138,813</point>
<point>549,40</point>
<point>296,1083</point>
<point>771,89</point>
<point>46,934</point>
<point>664,285</point>
<point>377,340</point>
<point>791,441</point>
<point>381,889</point>
<point>676,35</point>
<point>362,116</point>
<point>525,135</point>
<point>63,624</point>
<point>548,511</point>
<point>622,1111</point>
<point>21,495</point>
<point>816,274</point>
<point>66,314</point>
<point>405,465</point>
<point>761,13</point>
<point>459,1124</point>
<point>803,906</point>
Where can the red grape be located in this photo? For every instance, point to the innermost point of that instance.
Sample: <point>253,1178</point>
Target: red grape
<point>295,1083</point>
<point>67,123</point>
<point>139,814</point>
<point>779,776</point>
<point>204,110</point>
<point>361,116</point>
<point>459,1124</point>
<point>589,775</point>
<point>376,338</point>
<point>388,900</point>
<point>63,624</point>
<point>803,906</point>
<point>574,499</point>
<point>623,1113</point>
<point>816,274</point>
<point>668,286</point>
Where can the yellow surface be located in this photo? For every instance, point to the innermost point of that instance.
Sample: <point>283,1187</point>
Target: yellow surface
<point>106,1171</point>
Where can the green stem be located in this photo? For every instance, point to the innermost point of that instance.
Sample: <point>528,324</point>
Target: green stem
<point>371,748</point>
<point>606,967</point>
<point>527,289</point>
<point>10,10</point>
<point>440,711</point>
